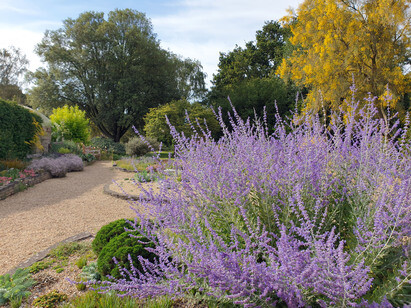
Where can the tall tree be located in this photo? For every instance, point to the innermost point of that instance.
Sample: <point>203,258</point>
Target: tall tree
<point>258,59</point>
<point>247,75</point>
<point>335,40</point>
<point>112,69</point>
<point>13,64</point>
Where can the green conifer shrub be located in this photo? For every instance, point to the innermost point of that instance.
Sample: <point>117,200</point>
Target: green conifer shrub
<point>120,247</point>
<point>107,232</point>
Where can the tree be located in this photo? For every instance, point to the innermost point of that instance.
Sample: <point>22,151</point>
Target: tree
<point>12,92</point>
<point>257,60</point>
<point>247,76</point>
<point>157,128</point>
<point>12,65</point>
<point>112,69</point>
<point>335,41</point>
<point>70,123</point>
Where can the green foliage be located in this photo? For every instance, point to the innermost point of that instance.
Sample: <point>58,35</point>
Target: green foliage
<point>63,251</point>
<point>120,247</point>
<point>139,164</point>
<point>13,63</point>
<point>246,75</point>
<point>127,71</point>
<point>17,130</point>
<point>137,147</point>
<point>64,151</point>
<point>50,300</point>
<point>95,299</point>
<point>252,95</point>
<point>107,232</point>
<point>72,146</point>
<point>89,272</point>
<point>16,286</point>
<point>257,60</point>
<point>88,157</point>
<point>12,92</point>
<point>39,266</point>
<point>156,125</point>
<point>147,176</point>
<point>82,262</point>
<point>108,144</point>
<point>70,123</point>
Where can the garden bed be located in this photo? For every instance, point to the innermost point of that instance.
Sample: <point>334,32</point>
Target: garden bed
<point>21,184</point>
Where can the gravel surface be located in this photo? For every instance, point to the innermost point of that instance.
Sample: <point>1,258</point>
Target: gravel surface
<point>56,209</point>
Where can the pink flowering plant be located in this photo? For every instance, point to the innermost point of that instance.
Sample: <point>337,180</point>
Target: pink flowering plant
<point>12,174</point>
<point>308,215</point>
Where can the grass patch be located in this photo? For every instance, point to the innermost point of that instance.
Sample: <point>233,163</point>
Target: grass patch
<point>63,251</point>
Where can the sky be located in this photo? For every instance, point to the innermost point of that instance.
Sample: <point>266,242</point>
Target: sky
<point>196,29</point>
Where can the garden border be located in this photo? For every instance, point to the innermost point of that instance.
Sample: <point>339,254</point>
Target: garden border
<point>43,254</point>
<point>15,186</point>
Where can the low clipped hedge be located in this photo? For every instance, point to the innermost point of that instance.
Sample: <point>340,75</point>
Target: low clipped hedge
<point>17,130</point>
<point>113,241</point>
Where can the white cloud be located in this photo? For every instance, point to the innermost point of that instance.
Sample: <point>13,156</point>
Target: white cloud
<point>24,39</point>
<point>201,29</point>
<point>197,29</point>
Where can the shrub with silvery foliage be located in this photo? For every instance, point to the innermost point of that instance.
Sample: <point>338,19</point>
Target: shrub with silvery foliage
<point>58,167</point>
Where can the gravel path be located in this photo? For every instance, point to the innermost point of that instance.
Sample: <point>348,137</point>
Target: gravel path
<point>56,209</point>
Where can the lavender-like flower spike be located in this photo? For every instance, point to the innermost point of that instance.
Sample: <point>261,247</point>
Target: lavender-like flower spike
<point>307,216</point>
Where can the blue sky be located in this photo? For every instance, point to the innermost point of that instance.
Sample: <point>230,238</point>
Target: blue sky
<point>196,29</point>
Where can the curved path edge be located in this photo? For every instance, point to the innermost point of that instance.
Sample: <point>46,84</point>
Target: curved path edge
<point>43,254</point>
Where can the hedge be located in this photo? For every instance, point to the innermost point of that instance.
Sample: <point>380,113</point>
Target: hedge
<point>17,130</point>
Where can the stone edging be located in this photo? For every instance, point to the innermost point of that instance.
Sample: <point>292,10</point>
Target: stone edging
<point>115,194</point>
<point>43,254</point>
<point>14,187</point>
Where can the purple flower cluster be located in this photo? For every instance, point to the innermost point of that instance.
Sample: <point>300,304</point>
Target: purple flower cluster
<point>58,167</point>
<point>307,215</point>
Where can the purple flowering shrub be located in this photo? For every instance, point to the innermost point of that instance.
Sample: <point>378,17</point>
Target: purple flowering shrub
<point>58,167</point>
<point>307,215</point>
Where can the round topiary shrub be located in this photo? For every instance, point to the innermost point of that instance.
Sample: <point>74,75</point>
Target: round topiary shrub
<point>120,247</point>
<point>107,232</point>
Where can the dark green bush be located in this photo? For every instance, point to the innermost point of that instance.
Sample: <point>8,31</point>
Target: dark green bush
<point>17,130</point>
<point>136,146</point>
<point>120,247</point>
<point>109,145</point>
<point>107,232</point>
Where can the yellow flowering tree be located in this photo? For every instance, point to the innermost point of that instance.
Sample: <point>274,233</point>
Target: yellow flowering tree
<point>335,41</point>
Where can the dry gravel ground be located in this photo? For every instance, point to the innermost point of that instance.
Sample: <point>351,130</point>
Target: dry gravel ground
<point>56,209</point>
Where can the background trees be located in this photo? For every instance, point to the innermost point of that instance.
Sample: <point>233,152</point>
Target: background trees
<point>247,75</point>
<point>157,128</point>
<point>336,40</point>
<point>13,64</point>
<point>112,69</point>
